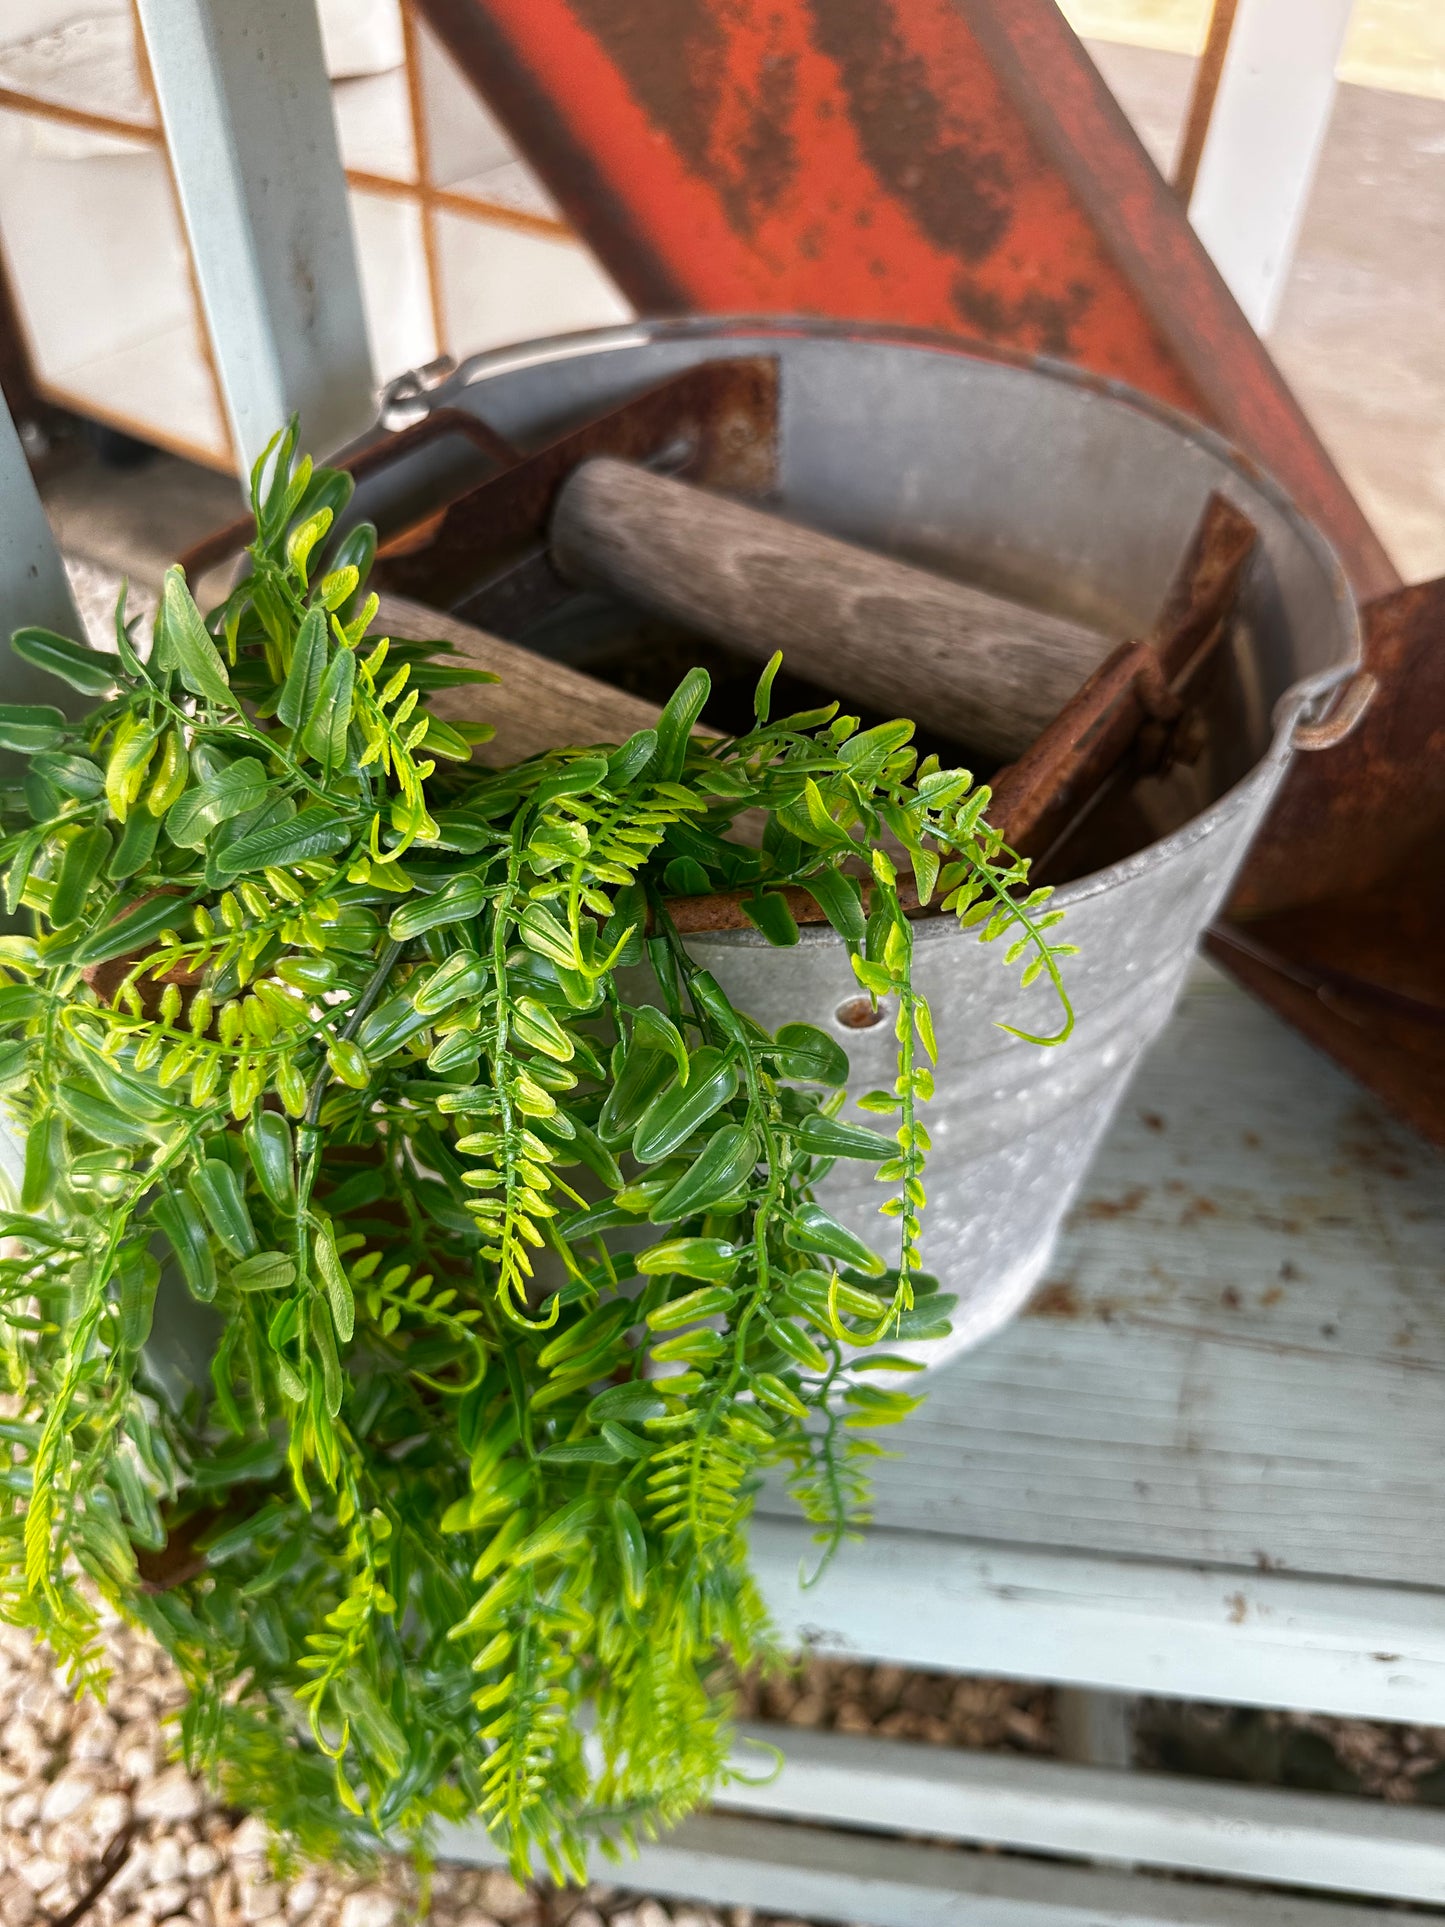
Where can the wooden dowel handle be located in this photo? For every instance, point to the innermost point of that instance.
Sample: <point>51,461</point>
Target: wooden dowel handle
<point>972,666</point>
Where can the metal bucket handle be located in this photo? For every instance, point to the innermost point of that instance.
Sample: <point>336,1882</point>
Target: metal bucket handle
<point>1346,714</point>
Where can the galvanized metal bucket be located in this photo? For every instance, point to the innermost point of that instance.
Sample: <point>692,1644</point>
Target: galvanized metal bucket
<point>1068,493</point>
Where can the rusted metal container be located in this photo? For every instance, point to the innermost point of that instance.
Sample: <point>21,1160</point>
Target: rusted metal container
<point>1065,492</point>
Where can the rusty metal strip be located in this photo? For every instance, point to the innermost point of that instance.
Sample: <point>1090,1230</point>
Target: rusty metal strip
<point>954,164</point>
<point>1202,97</point>
<point>1130,716</point>
<point>715,423</point>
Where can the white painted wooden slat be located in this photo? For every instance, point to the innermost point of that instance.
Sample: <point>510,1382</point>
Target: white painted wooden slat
<point>33,584</point>
<point>1266,133</point>
<point>1255,1638</point>
<point>1046,1806</point>
<point>1238,1353</point>
<point>247,109</point>
<point>823,1875</point>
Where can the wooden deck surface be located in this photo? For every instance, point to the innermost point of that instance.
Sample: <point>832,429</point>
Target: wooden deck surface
<point>1237,1357</point>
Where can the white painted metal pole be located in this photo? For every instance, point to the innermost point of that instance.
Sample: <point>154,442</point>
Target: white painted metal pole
<point>1265,137</point>
<point>247,110</point>
<point>34,587</point>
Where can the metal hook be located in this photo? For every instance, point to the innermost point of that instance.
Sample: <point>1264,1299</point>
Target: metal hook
<point>1342,719</point>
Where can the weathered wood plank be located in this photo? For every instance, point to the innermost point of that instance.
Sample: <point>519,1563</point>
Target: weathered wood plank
<point>246,103</point>
<point>823,1875</point>
<point>1308,1840</point>
<point>1238,1356</point>
<point>537,705</point>
<point>1131,1625</point>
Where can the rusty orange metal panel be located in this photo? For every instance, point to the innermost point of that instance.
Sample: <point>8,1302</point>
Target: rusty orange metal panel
<point>943,163</point>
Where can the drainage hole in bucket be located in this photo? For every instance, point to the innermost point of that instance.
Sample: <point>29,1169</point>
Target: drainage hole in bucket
<point>860,1013</point>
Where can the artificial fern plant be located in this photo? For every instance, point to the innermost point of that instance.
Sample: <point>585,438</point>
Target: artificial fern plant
<point>500,1216</point>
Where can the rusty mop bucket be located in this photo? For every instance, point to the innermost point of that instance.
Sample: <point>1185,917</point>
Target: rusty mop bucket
<point>1063,492</point>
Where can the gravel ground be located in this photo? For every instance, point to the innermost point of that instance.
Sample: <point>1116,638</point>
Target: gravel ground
<point>938,1708</point>
<point>89,1800</point>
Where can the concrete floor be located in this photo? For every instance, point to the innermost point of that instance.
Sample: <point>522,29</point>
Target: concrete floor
<point>1360,335</point>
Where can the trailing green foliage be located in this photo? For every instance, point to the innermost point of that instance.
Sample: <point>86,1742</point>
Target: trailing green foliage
<point>416,1259</point>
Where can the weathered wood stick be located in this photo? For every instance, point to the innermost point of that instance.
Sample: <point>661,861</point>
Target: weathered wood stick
<point>973,666</point>
<point>537,705</point>
<point>542,705</point>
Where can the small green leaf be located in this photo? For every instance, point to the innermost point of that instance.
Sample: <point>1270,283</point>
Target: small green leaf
<point>763,694</point>
<point>769,912</point>
<point>675,724</point>
<point>829,1137</point>
<point>218,1191</point>
<point>679,1110</point>
<point>460,902</point>
<point>633,1403</point>
<point>807,1055</point>
<point>85,857</point>
<point>136,847</point>
<point>312,832</point>
<point>578,774</point>
<point>627,763</point>
<point>100,1119</point>
<point>240,787</point>
<point>448,741</point>
<point>299,692</point>
<point>813,1230</point>
<point>30,726</point>
<point>349,1062</point>
<point>542,932</point>
<point>712,1259</point>
<point>85,669</point>
<point>704,1303</point>
<point>463,975</point>
<point>685,877</point>
<point>137,1276</point>
<point>186,1233</point>
<point>333,1276</point>
<point>715,1175</point>
<point>325,1343</point>
<point>303,539</point>
<point>795,1342</point>
<point>631,1553</point>
<point>264,1271</point>
<point>133,931</point>
<point>196,657</point>
<point>840,900</point>
<point>271,1149</point>
<point>652,1031</point>
<point>76,776</point>
<point>324,736</point>
<point>585,1452</point>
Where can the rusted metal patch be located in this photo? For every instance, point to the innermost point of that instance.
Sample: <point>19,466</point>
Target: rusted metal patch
<point>954,164</point>
<point>715,423</point>
<point>1132,715</point>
